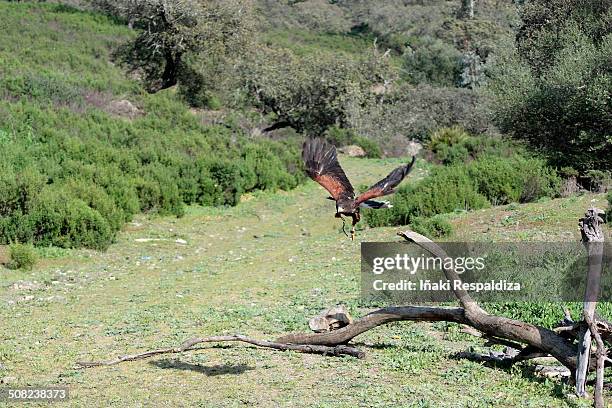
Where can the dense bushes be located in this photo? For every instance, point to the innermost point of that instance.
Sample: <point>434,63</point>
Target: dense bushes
<point>444,190</point>
<point>513,179</point>
<point>72,191</point>
<point>72,174</point>
<point>454,145</point>
<point>413,112</point>
<point>477,184</point>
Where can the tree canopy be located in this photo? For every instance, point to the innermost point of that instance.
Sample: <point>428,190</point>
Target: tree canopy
<point>173,33</point>
<point>554,91</point>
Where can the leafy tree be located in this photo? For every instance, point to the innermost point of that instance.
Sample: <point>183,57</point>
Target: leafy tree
<point>316,91</point>
<point>554,90</point>
<point>433,61</point>
<point>172,35</point>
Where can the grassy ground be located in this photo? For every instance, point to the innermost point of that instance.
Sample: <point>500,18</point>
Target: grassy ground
<point>261,269</point>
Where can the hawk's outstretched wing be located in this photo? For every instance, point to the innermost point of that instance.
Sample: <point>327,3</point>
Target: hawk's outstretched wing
<point>386,185</point>
<point>322,166</point>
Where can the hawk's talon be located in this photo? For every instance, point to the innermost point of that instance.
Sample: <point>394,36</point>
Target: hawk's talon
<point>343,223</point>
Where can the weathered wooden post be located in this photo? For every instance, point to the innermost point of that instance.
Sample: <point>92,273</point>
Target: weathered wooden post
<point>593,239</point>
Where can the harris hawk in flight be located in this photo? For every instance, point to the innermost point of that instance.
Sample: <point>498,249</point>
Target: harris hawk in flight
<point>321,161</point>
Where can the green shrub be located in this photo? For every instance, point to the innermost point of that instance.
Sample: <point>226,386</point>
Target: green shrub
<point>158,191</point>
<point>477,184</point>
<point>448,144</point>
<point>609,209</point>
<point>18,189</point>
<point>433,61</point>
<point>96,198</point>
<point>514,179</point>
<point>43,88</point>
<point>446,189</point>
<point>56,218</point>
<point>225,173</point>
<point>22,256</point>
<point>371,148</point>
<point>432,227</point>
<point>447,137</point>
<point>454,145</point>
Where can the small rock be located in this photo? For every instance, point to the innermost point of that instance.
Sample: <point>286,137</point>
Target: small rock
<point>353,151</point>
<point>330,319</point>
<point>26,285</point>
<point>124,108</point>
<point>552,371</point>
<point>413,148</point>
<point>7,380</point>
<point>148,239</point>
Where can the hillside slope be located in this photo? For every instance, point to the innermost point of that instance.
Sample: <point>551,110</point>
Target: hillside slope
<point>85,148</point>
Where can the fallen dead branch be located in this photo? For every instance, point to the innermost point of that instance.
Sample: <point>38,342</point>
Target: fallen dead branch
<point>339,350</point>
<point>471,314</point>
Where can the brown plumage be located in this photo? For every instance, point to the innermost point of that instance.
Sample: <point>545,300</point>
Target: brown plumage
<point>321,162</point>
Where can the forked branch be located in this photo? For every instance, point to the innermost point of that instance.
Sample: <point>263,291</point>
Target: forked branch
<point>471,314</point>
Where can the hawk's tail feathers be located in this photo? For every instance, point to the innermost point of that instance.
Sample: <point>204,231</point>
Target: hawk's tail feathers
<point>375,204</point>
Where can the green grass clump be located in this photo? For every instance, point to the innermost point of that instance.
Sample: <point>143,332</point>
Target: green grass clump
<point>434,227</point>
<point>22,256</point>
<point>447,137</point>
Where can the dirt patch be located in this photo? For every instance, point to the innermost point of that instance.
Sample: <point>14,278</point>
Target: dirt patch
<point>124,108</point>
<point>121,108</point>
